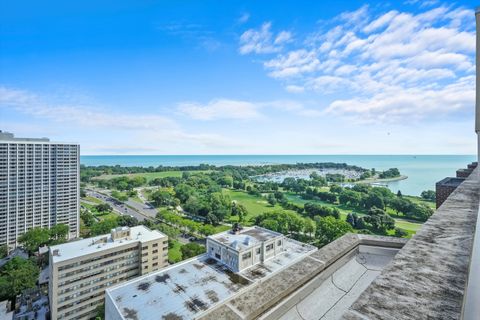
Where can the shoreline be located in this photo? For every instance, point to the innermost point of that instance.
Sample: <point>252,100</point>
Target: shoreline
<point>370,181</point>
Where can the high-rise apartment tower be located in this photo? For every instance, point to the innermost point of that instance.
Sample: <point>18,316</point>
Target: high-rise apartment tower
<point>39,186</point>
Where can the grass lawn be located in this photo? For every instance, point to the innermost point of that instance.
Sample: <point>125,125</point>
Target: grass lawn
<point>420,200</point>
<point>98,215</point>
<point>136,199</point>
<point>254,205</point>
<point>409,226</point>
<point>84,230</point>
<point>92,199</point>
<point>221,228</point>
<point>174,253</point>
<point>150,175</point>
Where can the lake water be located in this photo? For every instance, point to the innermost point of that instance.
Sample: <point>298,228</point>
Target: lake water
<point>422,171</point>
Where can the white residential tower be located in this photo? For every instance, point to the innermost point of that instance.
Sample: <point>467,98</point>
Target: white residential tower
<point>39,186</point>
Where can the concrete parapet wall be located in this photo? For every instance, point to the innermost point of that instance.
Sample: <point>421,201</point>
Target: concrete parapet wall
<point>427,278</point>
<point>269,292</point>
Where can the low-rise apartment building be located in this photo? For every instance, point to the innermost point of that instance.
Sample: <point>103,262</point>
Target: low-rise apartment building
<point>242,248</point>
<point>80,271</point>
<point>198,286</point>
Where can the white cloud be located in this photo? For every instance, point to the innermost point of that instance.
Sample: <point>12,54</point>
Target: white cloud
<point>86,116</point>
<point>263,40</point>
<point>412,103</point>
<point>283,37</point>
<point>136,129</point>
<point>241,110</point>
<point>381,21</point>
<point>385,61</point>
<point>295,89</point>
<point>295,62</point>
<point>244,18</point>
<point>219,109</point>
<point>355,18</point>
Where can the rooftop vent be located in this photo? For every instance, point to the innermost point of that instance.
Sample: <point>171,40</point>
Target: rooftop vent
<point>236,228</point>
<point>56,252</point>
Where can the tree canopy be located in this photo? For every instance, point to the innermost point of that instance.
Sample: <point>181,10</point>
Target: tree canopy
<point>17,275</point>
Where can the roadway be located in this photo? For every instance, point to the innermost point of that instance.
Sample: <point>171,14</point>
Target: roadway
<point>141,211</point>
<point>120,207</point>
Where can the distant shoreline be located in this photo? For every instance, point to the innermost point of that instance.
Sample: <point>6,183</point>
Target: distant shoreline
<point>370,181</point>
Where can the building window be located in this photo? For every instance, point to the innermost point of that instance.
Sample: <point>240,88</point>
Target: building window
<point>155,245</point>
<point>279,243</point>
<point>257,251</point>
<point>246,256</point>
<point>218,256</point>
<point>269,247</point>
<point>155,264</point>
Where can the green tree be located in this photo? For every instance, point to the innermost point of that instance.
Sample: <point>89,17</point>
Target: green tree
<point>100,310</point>
<point>360,223</point>
<point>374,200</point>
<point>381,222</point>
<point>191,249</point>
<point>206,230</point>
<point>374,211</point>
<point>163,198</point>
<point>103,207</point>
<point>3,251</point>
<point>103,227</point>
<point>350,197</point>
<point>429,195</point>
<point>220,205</point>
<point>329,229</point>
<point>390,173</point>
<point>271,199</point>
<point>310,227</point>
<point>88,218</point>
<point>17,275</point>
<point>34,238</point>
<point>59,233</point>
<point>183,192</point>
<point>127,221</point>
<point>269,224</point>
<point>400,233</point>
<point>335,188</point>
<point>119,196</point>
<point>239,210</point>
<point>350,219</point>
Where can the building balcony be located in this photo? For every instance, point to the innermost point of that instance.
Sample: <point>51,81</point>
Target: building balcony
<point>435,274</point>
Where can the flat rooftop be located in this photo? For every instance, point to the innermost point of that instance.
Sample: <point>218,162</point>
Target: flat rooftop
<point>10,138</point>
<point>246,238</point>
<point>272,297</point>
<point>189,289</point>
<point>75,249</point>
<point>451,182</point>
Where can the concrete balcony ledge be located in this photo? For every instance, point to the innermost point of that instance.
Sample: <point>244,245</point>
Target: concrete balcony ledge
<point>275,295</point>
<point>428,276</point>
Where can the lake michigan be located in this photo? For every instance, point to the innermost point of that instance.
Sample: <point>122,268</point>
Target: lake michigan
<point>422,170</point>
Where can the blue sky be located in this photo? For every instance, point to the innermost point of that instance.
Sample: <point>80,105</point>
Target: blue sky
<point>241,77</point>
